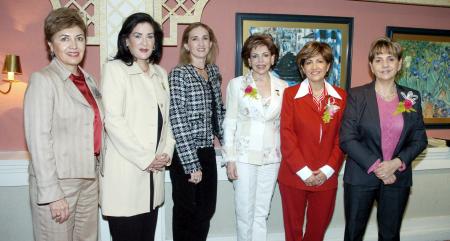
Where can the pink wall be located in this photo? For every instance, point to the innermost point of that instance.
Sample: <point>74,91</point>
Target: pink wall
<point>22,22</point>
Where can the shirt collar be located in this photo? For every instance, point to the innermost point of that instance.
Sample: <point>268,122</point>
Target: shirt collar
<point>135,69</point>
<point>249,76</point>
<point>304,90</point>
<point>79,78</point>
<point>63,72</point>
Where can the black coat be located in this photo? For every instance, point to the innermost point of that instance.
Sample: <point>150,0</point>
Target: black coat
<point>360,136</point>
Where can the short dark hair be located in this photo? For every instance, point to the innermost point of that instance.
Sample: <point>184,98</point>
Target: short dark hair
<point>256,40</point>
<point>123,53</point>
<point>385,45</point>
<point>312,49</point>
<point>185,55</point>
<point>60,19</point>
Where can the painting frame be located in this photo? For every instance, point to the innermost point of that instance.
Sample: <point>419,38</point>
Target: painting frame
<point>246,22</point>
<point>438,3</point>
<point>426,71</point>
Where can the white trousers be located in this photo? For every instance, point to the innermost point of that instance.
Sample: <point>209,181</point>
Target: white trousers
<point>253,191</point>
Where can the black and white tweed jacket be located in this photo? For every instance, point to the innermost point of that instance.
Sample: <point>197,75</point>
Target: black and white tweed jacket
<point>191,114</point>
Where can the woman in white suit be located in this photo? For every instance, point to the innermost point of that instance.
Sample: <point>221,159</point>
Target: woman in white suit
<point>139,141</point>
<point>252,136</point>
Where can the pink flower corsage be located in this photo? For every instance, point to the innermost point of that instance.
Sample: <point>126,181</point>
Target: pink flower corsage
<point>251,92</point>
<point>407,104</point>
<point>330,111</point>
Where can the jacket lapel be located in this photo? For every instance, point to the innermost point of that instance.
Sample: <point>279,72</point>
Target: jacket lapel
<point>254,102</point>
<point>92,85</point>
<point>71,88</point>
<point>160,90</point>
<point>334,101</point>
<point>275,98</point>
<point>406,121</point>
<point>372,111</point>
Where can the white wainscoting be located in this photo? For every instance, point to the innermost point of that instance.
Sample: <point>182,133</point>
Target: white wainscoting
<point>14,172</point>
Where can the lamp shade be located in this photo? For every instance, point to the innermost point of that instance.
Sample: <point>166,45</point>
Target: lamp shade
<point>12,64</point>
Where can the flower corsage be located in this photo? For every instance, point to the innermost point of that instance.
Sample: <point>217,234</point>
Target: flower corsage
<point>250,92</point>
<point>330,110</point>
<point>407,104</point>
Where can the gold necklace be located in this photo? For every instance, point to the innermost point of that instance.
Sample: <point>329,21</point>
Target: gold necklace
<point>199,68</point>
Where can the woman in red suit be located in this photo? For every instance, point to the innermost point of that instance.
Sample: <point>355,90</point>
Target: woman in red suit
<point>311,115</point>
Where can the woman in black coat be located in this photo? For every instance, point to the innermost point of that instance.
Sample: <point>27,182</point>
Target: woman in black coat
<point>382,132</point>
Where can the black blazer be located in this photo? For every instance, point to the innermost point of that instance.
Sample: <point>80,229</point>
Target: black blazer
<point>360,136</point>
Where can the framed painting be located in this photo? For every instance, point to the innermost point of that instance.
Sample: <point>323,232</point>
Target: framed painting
<point>426,68</point>
<point>290,33</point>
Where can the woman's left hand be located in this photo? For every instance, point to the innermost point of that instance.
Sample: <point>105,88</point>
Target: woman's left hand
<point>320,177</point>
<point>390,180</point>
<point>387,168</point>
<point>158,163</point>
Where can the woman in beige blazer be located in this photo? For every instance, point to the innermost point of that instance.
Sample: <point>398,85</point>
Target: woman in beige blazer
<point>139,141</point>
<point>252,136</point>
<point>63,128</point>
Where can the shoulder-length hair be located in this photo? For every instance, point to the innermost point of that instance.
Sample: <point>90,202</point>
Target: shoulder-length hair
<point>123,53</point>
<point>185,56</point>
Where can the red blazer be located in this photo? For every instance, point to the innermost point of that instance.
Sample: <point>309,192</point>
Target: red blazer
<point>300,133</point>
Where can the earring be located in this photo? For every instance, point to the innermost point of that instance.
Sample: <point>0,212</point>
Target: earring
<point>52,54</point>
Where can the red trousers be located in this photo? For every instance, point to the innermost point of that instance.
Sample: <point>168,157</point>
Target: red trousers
<point>318,206</point>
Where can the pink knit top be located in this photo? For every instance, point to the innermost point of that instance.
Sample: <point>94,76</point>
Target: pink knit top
<point>391,126</point>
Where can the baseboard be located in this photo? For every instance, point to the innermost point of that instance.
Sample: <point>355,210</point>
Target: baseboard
<point>418,229</point>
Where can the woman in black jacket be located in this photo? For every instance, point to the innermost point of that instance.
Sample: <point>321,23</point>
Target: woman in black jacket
<point>196,115</point>
<point>382,132</point>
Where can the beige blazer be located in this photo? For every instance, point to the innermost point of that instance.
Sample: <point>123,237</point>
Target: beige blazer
<point>131,99</point>
<point>252,123</point>
<point>59,129</point>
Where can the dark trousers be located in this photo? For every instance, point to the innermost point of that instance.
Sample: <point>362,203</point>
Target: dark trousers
<point>358,203</point>
<point>140,227</point>
<point>193,204</point>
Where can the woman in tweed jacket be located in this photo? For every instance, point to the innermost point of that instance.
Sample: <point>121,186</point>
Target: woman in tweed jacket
<point>196,115</point>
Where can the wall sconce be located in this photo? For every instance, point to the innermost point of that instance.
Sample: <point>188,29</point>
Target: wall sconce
<point>11,66</point>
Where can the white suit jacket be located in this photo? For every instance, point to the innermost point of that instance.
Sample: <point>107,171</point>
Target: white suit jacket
<point>59,129</point>
<point>131,99</point>
<point>251,129</point>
